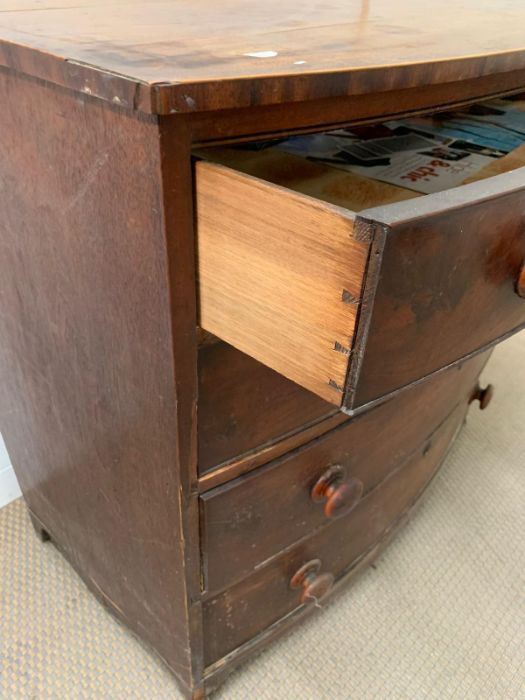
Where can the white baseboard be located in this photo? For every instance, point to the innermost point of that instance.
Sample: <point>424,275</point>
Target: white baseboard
<point>9,488</point>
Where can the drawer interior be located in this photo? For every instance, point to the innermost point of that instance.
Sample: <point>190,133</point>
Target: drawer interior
<point>293,244</point>
<point>422,152</point>
<point>248,412</point>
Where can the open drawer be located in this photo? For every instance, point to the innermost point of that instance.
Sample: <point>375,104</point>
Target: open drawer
<point>354,306</point>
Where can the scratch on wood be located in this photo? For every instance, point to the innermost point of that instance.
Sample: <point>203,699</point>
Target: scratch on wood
<point>190,102</point>
<point>90,176</point>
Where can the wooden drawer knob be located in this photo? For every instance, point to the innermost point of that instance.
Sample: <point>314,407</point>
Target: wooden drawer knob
<point>484,396</point>
<point>315,585</point>
<point>341,492</point>
<point>520,285</point>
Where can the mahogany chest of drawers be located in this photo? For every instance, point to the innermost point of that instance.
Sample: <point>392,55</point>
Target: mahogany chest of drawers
<point>228,376</point>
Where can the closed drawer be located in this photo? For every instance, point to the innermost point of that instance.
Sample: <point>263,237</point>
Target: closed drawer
<point>247,521</point>
<point>245,610</point>
<point>353,306</point>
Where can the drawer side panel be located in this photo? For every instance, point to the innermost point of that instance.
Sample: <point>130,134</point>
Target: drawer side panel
<point>280,276</point>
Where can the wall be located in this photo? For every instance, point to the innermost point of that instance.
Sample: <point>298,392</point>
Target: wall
<point>9,489</point>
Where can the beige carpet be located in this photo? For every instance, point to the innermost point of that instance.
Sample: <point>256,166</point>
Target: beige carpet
<point>441,616</point>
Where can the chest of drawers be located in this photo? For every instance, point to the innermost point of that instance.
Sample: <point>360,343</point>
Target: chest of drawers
<point>226,378</point>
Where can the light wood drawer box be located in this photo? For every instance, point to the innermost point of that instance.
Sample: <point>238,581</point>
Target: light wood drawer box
<point>354,306</point>
<point>241,612</point>
<point>248,520</point>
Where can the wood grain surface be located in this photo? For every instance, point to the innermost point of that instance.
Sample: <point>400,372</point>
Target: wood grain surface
<point>436,283</point>
<point>98,355</point>
<point>285,118</point>
<point>174,55</point>
<point>315,179</point>
<point>237,615</point>
<point>91,407</point>
<point>245,408</point>
<point>446,286</point>
<point>250,520</point>
<point>511,161</point>
<point>280,276</point>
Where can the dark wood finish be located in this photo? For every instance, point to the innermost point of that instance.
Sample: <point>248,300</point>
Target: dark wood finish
<point>247,124</point>
<point>520,286</point>
<point>90,402</point>
<point>267,595</point>
<point>445,286</point>
<point>216,673</point>
<point>245,407</point>
<point>484,396</point>
<point>168,57</point>
<point>250,519</point>
<point>340,491</point>
<point>177,216</point>
<point>315,585</point>
<point>98,351</point>
<point>42,534</point>
<point>271,450</point>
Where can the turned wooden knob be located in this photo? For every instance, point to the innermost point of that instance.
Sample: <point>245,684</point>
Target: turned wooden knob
<point>315,585</point>
<point>341,492</point>
<point>484,396</point>
<point>520,284</point>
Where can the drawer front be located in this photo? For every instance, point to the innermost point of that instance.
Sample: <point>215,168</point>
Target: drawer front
<point>356,306</point>
<point>447,284</point>
<point>243,611</point>
<point>251,519</point>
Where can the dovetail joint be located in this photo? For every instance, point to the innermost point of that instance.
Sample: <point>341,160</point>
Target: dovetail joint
<point>348,298</point>
<point>335,386</point>
<point>341,348</point>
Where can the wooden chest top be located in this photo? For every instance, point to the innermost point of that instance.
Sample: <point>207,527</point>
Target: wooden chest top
<point>167,56</point>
